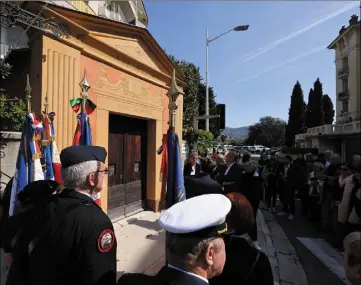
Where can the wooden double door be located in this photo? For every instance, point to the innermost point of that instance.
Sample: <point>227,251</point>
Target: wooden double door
<point>126,164</point>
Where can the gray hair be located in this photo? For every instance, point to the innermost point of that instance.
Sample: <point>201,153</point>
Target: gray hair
<point>336,157</point>
<point>75,176</point>
<point>352,245</point>
<point>356,158</point>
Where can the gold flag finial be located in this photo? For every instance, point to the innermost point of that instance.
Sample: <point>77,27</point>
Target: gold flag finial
<point>85,86</point>
<point>27,93</point>
<point>46,104</point>
<point>173,93</point>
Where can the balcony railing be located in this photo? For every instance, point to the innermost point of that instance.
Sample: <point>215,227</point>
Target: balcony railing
<point>82,7</point>
<point>348,117</point>
<point>343,95</point>
<point>342,72</point>
<point>334,129</point>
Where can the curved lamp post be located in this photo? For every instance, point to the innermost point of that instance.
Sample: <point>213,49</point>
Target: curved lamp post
<point>235,29</point>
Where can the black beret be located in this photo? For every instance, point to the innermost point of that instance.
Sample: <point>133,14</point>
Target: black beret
<point>38,190</point>
<point>77,154</point>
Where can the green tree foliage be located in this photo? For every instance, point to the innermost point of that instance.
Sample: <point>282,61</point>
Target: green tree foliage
<point>234,141</point>
<point>212,108</point>
<point>314,115</point>
<point>268,132</point>
<point>296,115</point>
<point>12,113</point>
<point>190,102</point>
<point>204,141</point>
<point>328,110</point>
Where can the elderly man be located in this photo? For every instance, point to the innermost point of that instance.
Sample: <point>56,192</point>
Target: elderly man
<point>192,167</point>
<point>356,161</point>
<point>231,177</point>
<point>352,246</point>
<point>195,247</point>
<point>69,240</point>
<point>328,154</point>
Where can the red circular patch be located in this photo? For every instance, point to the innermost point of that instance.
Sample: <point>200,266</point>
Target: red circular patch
<point>106,241</point>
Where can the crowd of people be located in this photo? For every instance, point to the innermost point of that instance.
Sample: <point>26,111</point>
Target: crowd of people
<point>61,236</point>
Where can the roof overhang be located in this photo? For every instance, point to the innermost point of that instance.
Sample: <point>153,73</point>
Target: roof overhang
<point>83,25</point>
<point>344,33</point>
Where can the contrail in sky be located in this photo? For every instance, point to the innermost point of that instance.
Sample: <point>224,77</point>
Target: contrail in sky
<point>282,64</point>
<point>253,55</point>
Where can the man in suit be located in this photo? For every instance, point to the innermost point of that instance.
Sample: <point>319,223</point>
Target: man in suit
<point>195,245</point>
<point>231,177</point>
<point>200,184</point>
<point>192,167</point>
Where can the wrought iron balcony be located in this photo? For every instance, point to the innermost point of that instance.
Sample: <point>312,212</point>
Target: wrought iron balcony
<point>343,95</point>
<point>342,72</point>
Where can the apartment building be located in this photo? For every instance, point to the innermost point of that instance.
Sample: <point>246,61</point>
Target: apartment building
<point>344,135</point>
<point>128,12</point>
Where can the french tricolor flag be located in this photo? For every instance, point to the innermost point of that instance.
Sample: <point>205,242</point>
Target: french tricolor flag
<point>28,164</point>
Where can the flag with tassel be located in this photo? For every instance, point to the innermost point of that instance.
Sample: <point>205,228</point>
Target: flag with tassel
<point>83,135</point>
<point>28,165</point>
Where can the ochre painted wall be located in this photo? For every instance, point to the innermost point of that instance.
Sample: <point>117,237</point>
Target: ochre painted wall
<point>111,90</point>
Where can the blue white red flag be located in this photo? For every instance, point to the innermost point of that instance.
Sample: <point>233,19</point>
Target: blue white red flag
<point>175,182</point>
<point>83,134</point>
<point>28,165</point>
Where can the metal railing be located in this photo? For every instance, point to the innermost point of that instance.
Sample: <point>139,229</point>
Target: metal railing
<point>343,72</point>
<point>347,117</point>
<point>343,95</point>
<point>332,129</point>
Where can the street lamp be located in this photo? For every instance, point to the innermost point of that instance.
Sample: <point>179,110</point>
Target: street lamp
<point>235,29</point>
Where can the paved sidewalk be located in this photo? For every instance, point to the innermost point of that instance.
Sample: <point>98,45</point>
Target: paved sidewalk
<point>141,246</point>
<point>286,266</point>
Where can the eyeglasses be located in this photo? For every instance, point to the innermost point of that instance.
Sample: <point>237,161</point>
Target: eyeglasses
<point>105,171</point>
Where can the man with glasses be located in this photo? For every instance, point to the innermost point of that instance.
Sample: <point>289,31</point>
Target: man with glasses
<point>69,240</point>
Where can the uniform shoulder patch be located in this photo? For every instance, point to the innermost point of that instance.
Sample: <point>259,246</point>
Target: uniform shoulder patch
<point>106,240</point>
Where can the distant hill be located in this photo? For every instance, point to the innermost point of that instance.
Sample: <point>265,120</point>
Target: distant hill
<point>241,132</point>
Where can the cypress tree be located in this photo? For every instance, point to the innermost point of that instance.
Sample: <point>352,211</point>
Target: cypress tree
<point>296,115</point>
<point>309,118</point>
<point>317,110</point>
<point>328,111</point>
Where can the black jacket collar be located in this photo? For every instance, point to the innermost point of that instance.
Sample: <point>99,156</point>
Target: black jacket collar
<point>76,195</point>
<point>176,277</point>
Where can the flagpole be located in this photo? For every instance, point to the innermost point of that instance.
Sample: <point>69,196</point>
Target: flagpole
<point>46,104</point>
<point>27,94</point>
<point>84,84</point>
<point>173,93</point>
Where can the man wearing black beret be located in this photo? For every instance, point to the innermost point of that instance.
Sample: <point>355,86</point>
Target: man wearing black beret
<point>70,240</point>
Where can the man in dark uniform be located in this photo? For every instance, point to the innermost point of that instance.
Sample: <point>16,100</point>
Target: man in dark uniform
<point>195,247</point>
<point>200,184</point>
<point>69,240</point>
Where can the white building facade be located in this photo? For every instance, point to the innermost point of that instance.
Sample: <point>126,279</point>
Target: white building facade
<point>344,135</point>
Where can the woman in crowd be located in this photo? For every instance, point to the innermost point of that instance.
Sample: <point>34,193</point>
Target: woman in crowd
<point>220,167</point>
<point>252,266</point>
<point>315,189</point>
<point>349,210</point>
<point>251,187</point>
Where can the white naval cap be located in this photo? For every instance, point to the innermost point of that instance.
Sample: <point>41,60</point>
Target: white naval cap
<point>201,216</point>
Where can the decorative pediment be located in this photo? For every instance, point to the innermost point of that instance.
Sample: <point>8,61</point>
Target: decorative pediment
<point>134,49</point>
<point>127,89</point>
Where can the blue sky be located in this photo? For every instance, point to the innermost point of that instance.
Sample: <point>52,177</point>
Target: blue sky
<point>254,84</point>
